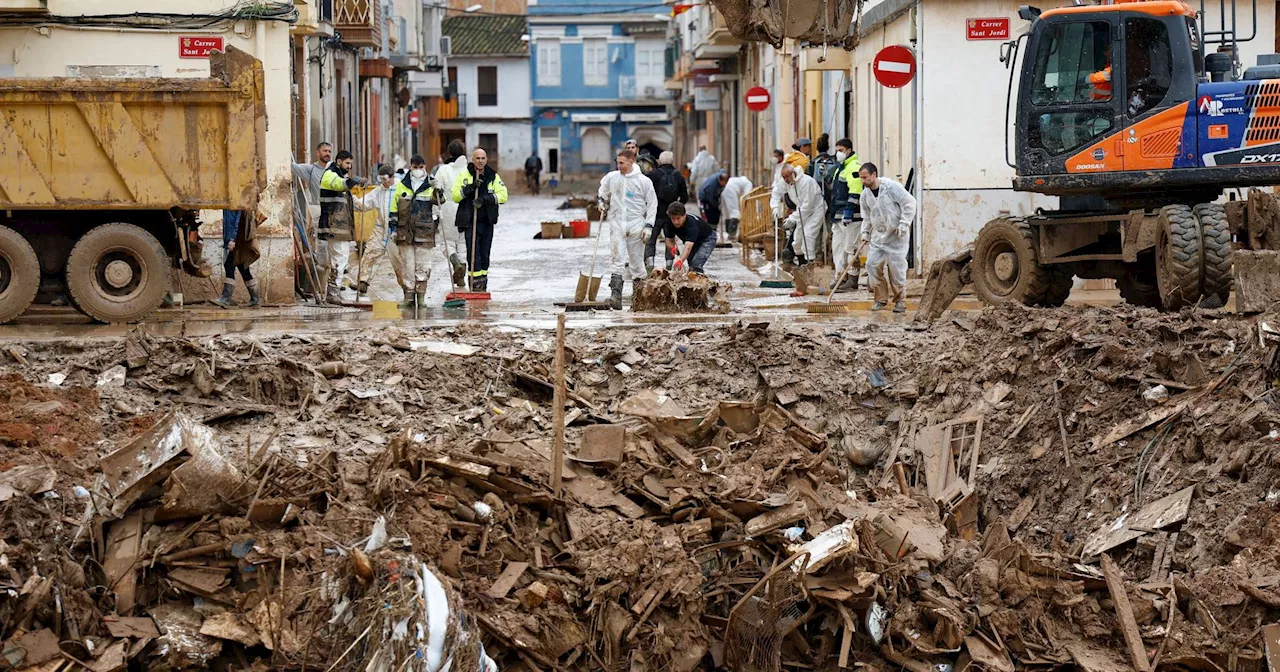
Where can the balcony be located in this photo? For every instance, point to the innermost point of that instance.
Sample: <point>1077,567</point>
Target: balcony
<point>453,108</point>
<point>359,22</point>
<point>716,41</point>
<point>629,88</point>
<point>315,17</point>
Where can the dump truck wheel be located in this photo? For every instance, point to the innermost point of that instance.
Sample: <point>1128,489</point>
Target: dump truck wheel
<point>1179,261</point>
<point>1140,289</point>
<point>19,274</point>
<point>117,273</point>
<point>1005,269</point>
<point>1215,245</point>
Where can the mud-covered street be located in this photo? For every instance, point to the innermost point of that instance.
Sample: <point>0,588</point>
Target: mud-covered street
<point>1063,486</point>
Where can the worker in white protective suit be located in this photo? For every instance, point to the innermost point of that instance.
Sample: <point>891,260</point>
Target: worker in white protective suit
<point>731,204</point>
<point>630,205</point>
<point>444,178</point>
<point>887,214</point>
<point>807,217</point>
<point>702,166</point>
<point>382,242</point>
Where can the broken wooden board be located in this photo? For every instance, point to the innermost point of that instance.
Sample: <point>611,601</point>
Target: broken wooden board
<point>772,520</point>
<point>120,561</point>
<point>673,449</point>
<point>507,580</point>
<point>1154,516</point>
<point>139,627</point>
<point>1124,614</point>
<point>988,656</point>
<point>603,445</point>
<point>596,493</point>
<point>1138,424</point>
<point>140,464</point>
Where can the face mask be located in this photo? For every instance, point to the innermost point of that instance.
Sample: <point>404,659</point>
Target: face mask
<point>418,173</point>
<point>841,156</point>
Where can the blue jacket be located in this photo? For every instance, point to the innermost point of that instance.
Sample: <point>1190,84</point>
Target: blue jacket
<point>230,225</point>
<point>709,192</point>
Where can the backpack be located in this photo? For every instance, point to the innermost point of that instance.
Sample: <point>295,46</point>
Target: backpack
<point>823,168</point>
<point>668,187</point>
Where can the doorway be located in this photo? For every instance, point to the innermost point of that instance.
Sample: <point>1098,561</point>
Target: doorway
<point>549,149</point>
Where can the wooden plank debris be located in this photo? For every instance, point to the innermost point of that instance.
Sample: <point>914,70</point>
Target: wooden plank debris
<point>1157,515</point>
<point>1124,614</point>
<point>777,518</point>
<point>507,580</point>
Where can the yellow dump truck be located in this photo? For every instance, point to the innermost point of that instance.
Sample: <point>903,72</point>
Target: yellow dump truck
<point>103,181</point>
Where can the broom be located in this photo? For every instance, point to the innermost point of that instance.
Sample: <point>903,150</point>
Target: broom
<point>775,283</point>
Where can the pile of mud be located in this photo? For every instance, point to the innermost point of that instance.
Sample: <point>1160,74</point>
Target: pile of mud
<point>1011,489</point>
<point>667,292</point>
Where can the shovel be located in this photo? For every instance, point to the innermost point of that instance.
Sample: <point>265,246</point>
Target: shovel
<point>589,285</point>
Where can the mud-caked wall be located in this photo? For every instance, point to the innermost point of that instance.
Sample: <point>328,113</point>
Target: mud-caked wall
<point>58,51</point>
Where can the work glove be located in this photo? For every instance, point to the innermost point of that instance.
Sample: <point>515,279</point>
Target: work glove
<point>469,191</point>
<point>790,223</point>
<point>679,265</point>
<point>646,234</point>
<point>672,253</point>
<point>902,231</point>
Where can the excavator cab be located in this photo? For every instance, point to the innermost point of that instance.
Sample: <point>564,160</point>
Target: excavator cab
<point>1115,102</point>
<point>1106,90</point>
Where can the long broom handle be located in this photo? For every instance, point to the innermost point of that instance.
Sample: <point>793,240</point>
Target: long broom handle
<point>599,232</point>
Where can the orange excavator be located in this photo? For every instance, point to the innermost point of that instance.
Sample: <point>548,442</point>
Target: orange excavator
<point>1124,113</point>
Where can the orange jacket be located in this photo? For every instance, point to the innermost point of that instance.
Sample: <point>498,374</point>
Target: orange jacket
<point>1101,83</point>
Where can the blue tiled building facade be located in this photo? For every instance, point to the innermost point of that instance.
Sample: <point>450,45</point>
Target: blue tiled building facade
<point>598,69</point>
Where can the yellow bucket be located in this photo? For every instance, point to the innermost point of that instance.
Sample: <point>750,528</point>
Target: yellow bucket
<point>365,220</point>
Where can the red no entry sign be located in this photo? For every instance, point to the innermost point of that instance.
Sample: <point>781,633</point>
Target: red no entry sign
<point>895,66</point>
<point>757,99</point>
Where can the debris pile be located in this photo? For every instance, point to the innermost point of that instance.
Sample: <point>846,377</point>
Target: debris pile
<point>1011,489</point>
<point>667,292</point>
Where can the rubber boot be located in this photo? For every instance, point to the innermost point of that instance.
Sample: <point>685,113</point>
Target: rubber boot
<point>408,298</point>
<point>420,291</point>
<point>362,289</point>
<point>224,301</point>
<point>255,299</point>
<point>900,307</point>
<point>615,289</point>
<point>480,284</point>
<point>333,295</point>
<point>458,269</point>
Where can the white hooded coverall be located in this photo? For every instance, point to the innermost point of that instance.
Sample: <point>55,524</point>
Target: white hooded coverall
<point>444,179</point>
<point>810,214</point>
<point>381,242</point>
<point>632,205</point>
<point>731,196</point>
<point>886,223</point>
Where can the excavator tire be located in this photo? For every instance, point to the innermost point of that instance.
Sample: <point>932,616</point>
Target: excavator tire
<point>19,274</point>
<point>1139,288</point>
<point>1215,245</point>
<point>1005,268</point>
<point>117,273</point>
<point>1179,261</point>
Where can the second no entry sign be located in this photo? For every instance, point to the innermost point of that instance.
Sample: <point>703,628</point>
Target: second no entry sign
<point>894,66</point>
